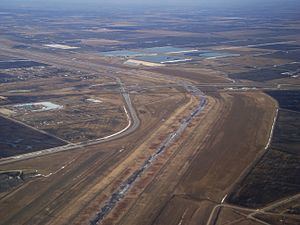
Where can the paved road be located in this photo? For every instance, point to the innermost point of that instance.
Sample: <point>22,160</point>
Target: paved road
<point>132,112</point>
<point>253,212</point>
<point>127,184</point>
<point>112,73</point>
<point>133,124</point>
<point>133,120</point>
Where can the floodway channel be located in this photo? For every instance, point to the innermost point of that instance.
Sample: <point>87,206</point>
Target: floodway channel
<point>124,187</point>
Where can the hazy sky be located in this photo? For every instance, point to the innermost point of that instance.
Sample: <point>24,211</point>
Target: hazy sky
<point>174,2</point>
<point>211,3</point>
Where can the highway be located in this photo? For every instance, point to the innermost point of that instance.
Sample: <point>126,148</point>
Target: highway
<point>133,120</point>
<point>133,124</point>
<point>111,70</point>
<point>170,139</point>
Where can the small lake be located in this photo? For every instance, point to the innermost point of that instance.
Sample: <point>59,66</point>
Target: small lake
<point>39,106</point>
<point>147,51</point>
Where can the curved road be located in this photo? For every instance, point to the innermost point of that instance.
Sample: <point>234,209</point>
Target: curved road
<point>171,138</point>
<point>133,124</point>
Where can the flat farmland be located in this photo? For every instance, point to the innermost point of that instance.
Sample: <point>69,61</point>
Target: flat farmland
<point>96,116</point>
<point>18,139</point>
<point>19,64</point>
<point>82,169</point>
<point>194,189</point>
<point>149,116</point>
<point>273,181</point>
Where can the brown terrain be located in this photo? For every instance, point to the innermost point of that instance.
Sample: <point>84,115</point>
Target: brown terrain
<point>155,143</point>
<point>201,161</point>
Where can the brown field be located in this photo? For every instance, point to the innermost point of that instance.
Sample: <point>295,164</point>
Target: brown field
<point>116,118</point>
<point>83,179</point>
<point>203,176</point>
<point>84,170</point>
<point>199,75</point>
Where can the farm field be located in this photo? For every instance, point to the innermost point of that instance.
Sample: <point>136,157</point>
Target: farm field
<point>141,115</point>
